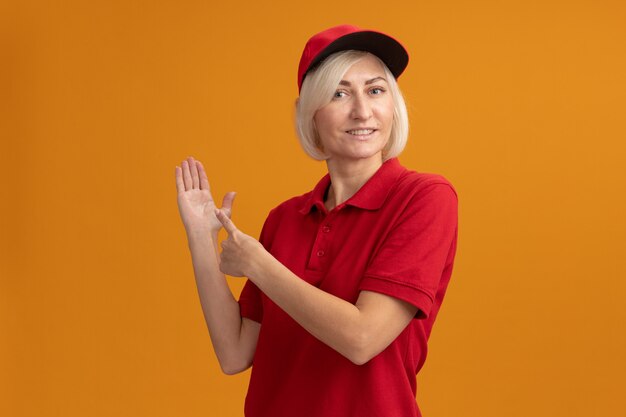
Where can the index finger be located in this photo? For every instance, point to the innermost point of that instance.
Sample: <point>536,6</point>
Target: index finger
<point>226,222</point>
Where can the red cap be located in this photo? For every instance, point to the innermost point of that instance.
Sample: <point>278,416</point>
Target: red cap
<point>345,37</point>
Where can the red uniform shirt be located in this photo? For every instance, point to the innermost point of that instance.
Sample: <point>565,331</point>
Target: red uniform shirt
<point>397,236</point>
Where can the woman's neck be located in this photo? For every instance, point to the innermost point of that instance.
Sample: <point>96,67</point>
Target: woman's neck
<point>347,178</point>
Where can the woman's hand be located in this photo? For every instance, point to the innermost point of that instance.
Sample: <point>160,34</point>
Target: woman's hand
<point>195,203</point>
<point>240,252</point>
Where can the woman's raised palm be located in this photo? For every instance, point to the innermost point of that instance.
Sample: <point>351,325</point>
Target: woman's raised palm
<point>195,203</point>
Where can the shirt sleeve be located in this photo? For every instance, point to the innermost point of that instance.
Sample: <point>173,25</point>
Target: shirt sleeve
<point>250,302</point>
<point>250,299</point>
<point>418,248</point>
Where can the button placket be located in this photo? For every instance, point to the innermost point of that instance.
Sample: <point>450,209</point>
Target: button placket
<point>316,260</point>
<point>324,238</point>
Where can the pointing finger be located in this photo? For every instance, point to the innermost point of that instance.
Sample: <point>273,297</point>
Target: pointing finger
<point>226,222</point>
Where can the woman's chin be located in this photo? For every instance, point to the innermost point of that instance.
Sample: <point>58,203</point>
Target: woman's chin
<point>356,157</point>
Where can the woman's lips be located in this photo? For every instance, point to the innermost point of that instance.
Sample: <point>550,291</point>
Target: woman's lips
<point>360,132</point>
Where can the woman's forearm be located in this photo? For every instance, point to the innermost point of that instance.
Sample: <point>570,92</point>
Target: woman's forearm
<point>221,310</point>
<point>330,319</point>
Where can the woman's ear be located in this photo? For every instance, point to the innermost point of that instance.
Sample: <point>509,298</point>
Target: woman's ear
<point>297,102</point>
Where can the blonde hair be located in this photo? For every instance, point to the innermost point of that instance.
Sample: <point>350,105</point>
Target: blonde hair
<point>317,90</point>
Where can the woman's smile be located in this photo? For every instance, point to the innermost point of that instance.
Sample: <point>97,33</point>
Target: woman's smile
<point>361,134</point>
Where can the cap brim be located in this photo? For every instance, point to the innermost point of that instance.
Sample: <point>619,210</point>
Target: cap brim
<point>389,50</point>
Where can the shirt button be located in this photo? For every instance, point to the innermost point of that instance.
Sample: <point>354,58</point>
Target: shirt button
<point>320,253</point>
<point>326,229</point>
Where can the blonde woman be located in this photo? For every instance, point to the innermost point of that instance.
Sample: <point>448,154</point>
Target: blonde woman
<point>345,282</point>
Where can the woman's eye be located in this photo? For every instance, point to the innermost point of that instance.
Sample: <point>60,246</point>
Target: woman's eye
<point>377,91</point>
<point>339,94</point>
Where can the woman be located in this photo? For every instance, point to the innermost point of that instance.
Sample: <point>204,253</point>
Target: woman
<point>346,280</point>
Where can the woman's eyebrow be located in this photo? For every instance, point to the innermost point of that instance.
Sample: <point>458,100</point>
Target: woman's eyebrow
<point>373,80</point>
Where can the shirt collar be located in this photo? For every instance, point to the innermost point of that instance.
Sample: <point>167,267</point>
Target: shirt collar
<point>370,196</point>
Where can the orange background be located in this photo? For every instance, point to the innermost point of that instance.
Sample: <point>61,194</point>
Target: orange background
<point>519,103</point>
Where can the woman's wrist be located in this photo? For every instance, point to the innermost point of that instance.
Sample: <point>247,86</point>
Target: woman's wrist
<point>201,233</point>
<point>257,264</point>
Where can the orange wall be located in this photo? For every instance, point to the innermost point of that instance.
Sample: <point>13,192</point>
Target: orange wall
<point>519,103</point>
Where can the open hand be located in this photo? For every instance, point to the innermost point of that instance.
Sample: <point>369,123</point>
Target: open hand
<point>240,252</point>
<point>195,203</point>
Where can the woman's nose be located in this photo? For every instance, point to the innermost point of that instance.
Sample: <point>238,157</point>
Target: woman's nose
<point>360,108</point>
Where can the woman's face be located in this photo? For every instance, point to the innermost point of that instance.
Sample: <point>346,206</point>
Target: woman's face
<point>356,124</point>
